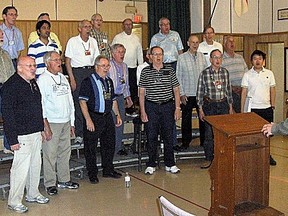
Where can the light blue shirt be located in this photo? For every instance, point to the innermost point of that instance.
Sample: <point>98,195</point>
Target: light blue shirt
<point>170,43</point>
<point>13,41</point>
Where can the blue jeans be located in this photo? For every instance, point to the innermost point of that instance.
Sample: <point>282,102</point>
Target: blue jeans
<point>212,108</point>
<point>160,118</point>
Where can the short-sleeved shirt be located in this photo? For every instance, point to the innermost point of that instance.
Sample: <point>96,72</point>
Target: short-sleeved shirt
<point>93,90</point>
<point>80,52</point>
<point>158,85</point>
<point>170,43</point>
<point>206,49</point>
<point>13,41</point>
<point>258,85</point>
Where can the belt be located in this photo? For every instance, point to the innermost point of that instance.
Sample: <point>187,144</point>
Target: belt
<point>160,103</point>
<point>209,100</point>
<point>171,62</point>
<point>84,67</point>
<point>101,114</point>
<point>118,95</point>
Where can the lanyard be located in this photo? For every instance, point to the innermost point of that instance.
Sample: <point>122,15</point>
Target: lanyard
<point>56,82</point>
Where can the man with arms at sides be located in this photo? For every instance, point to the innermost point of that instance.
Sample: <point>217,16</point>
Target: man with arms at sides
<point>41,46</point>
<point>236,66</point>
<point>145,64</point>
<point>189,66</point>
<point>169,41</point>
<point>81,52</point>
<point>101,37</point>
<point>34,35</point>
<point>258,90</point>
<point>58,112</point>
<point>13,41</point>
<point>214,97</point>
<point>133,57</point>
<point>118,72</point>
<point>160,108</point>
<point>23,126</point>
<point>97,101</point>
<point>209,44</point>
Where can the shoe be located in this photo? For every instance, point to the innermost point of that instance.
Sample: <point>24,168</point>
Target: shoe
<point>150,170</point>
<point>20,208</point>
<point>7,151</point>
<point>173,169</point>
<point>78,139</point>
<point>206,165</point>
<point>133,114</point>
<point>122,152</point>
<point>177,148</point>
<point>272,161</point>
<point>112,174</point>
<point>94,180</point>
<point>39,199</point>
<point>68,185</point>
<point>51,190</point>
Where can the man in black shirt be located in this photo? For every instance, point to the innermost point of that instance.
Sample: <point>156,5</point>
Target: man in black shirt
<point>23,126</point>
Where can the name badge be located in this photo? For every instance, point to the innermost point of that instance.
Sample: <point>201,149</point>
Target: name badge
<point>107,96</point>
<point>11,42</point>
<point>87,53</point>
<point>105,41</point>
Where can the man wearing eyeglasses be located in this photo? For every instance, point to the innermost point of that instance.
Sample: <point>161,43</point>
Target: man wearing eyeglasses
<point>13,41</point>
<point>24,128</point>
<point>97,101</point>
<point>58,113</point>
<point>209,43</point>
<point>159,97</point>
<point>214,97</point>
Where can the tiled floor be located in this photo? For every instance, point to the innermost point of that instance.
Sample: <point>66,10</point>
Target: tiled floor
<point>190,190</point>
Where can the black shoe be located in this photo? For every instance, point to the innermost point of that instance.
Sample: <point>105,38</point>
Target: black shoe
<point>51,190</point>
<point>94,180</point>
<point>177,148</point>
<point>206,165</point>
<point>272,161</point>
<point>122,152</point>
<point>112,174</point>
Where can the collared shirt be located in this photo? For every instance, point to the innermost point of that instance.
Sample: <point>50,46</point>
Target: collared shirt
<point>37,51</point>
<point>158,85</point>
<point>34,36</point>
<point>57,100</point>
<point>80,52</point>
<point>102,41</point>
<point>119,75</point>
<point>236,67</point>
<point>170,43</point>
<point>139,70</point>
<point>13,41</point>
<point>134,52</point>
<point>6,66</point>
<point>214,85</point>
<point>189,67</point>
<point>93,90</point>
<point>206,49</point>
<point>258,85</point>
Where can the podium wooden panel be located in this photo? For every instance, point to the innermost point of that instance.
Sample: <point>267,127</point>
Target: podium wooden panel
<point>240,169</point>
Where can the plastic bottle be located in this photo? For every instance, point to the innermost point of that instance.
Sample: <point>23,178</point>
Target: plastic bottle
<point>127,180</point>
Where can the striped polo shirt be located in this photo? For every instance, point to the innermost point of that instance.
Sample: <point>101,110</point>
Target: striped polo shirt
<point>93,89</point>
<point>37,51</point>
<point>158,85</point>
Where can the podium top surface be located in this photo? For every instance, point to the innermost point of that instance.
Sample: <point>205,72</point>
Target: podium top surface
<point>237,124</point>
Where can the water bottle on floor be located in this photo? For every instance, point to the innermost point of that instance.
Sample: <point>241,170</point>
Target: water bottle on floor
<point>127,180</point>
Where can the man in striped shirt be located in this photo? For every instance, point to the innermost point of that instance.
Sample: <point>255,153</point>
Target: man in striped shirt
<point>159,98</point>
<point>42,45</point>
<point>214,97</point>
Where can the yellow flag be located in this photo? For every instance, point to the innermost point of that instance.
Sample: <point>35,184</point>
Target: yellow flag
<point>241,6</point>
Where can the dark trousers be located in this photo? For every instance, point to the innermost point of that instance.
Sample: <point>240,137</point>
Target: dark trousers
<point>186,124</point>
<point>212,108</point>
<point>160,118</point>
<point>79,74</point>
<point>105,131</point>
<point>133,84</point>
<point>236,102</point>
<point>267,113</point>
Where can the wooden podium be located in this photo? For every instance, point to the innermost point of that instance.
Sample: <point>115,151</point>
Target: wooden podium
<point>240,169</point>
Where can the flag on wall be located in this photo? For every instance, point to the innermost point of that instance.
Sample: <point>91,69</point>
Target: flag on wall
<point>241,6</point>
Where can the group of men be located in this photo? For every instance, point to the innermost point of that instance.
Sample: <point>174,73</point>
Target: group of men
<point>102,83</point>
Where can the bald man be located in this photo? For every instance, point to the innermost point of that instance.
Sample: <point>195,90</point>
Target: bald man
<point>24,126</point>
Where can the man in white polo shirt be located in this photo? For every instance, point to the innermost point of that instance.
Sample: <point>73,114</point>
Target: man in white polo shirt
<point>81,52</point>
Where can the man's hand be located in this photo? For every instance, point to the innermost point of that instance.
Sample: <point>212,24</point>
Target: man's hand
<point>90,125</point>
<point>73,84</point>
<point>184,99</point>
<point>177,114</point>
<point>144,117</point>
<point>118,121</point>
<point>201,115</point>
<point>267,129</point>
<point>15,147</point>
<point>129,102</point>
<point>72,131</point>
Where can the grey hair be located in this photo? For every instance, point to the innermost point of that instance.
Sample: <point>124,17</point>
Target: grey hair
<point>114,47</point>
<point>161,19</point>
<point>81,23</point>
<point>98,59</point>
<point>47,56</point>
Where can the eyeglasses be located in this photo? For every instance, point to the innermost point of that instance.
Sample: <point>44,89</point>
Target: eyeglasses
<point>216,57</point>
<point>29,65</point>
<point>104,66</point>
<point>12,14</point>
<point>157,54</point>
<point>55,60</point>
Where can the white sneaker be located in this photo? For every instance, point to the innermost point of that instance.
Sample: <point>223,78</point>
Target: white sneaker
<point>7,151</point>
<point>150,170</point>
<point>174,169</point>
<point>78,139</point>
<point>20,208</point>
<point>39,199</point>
